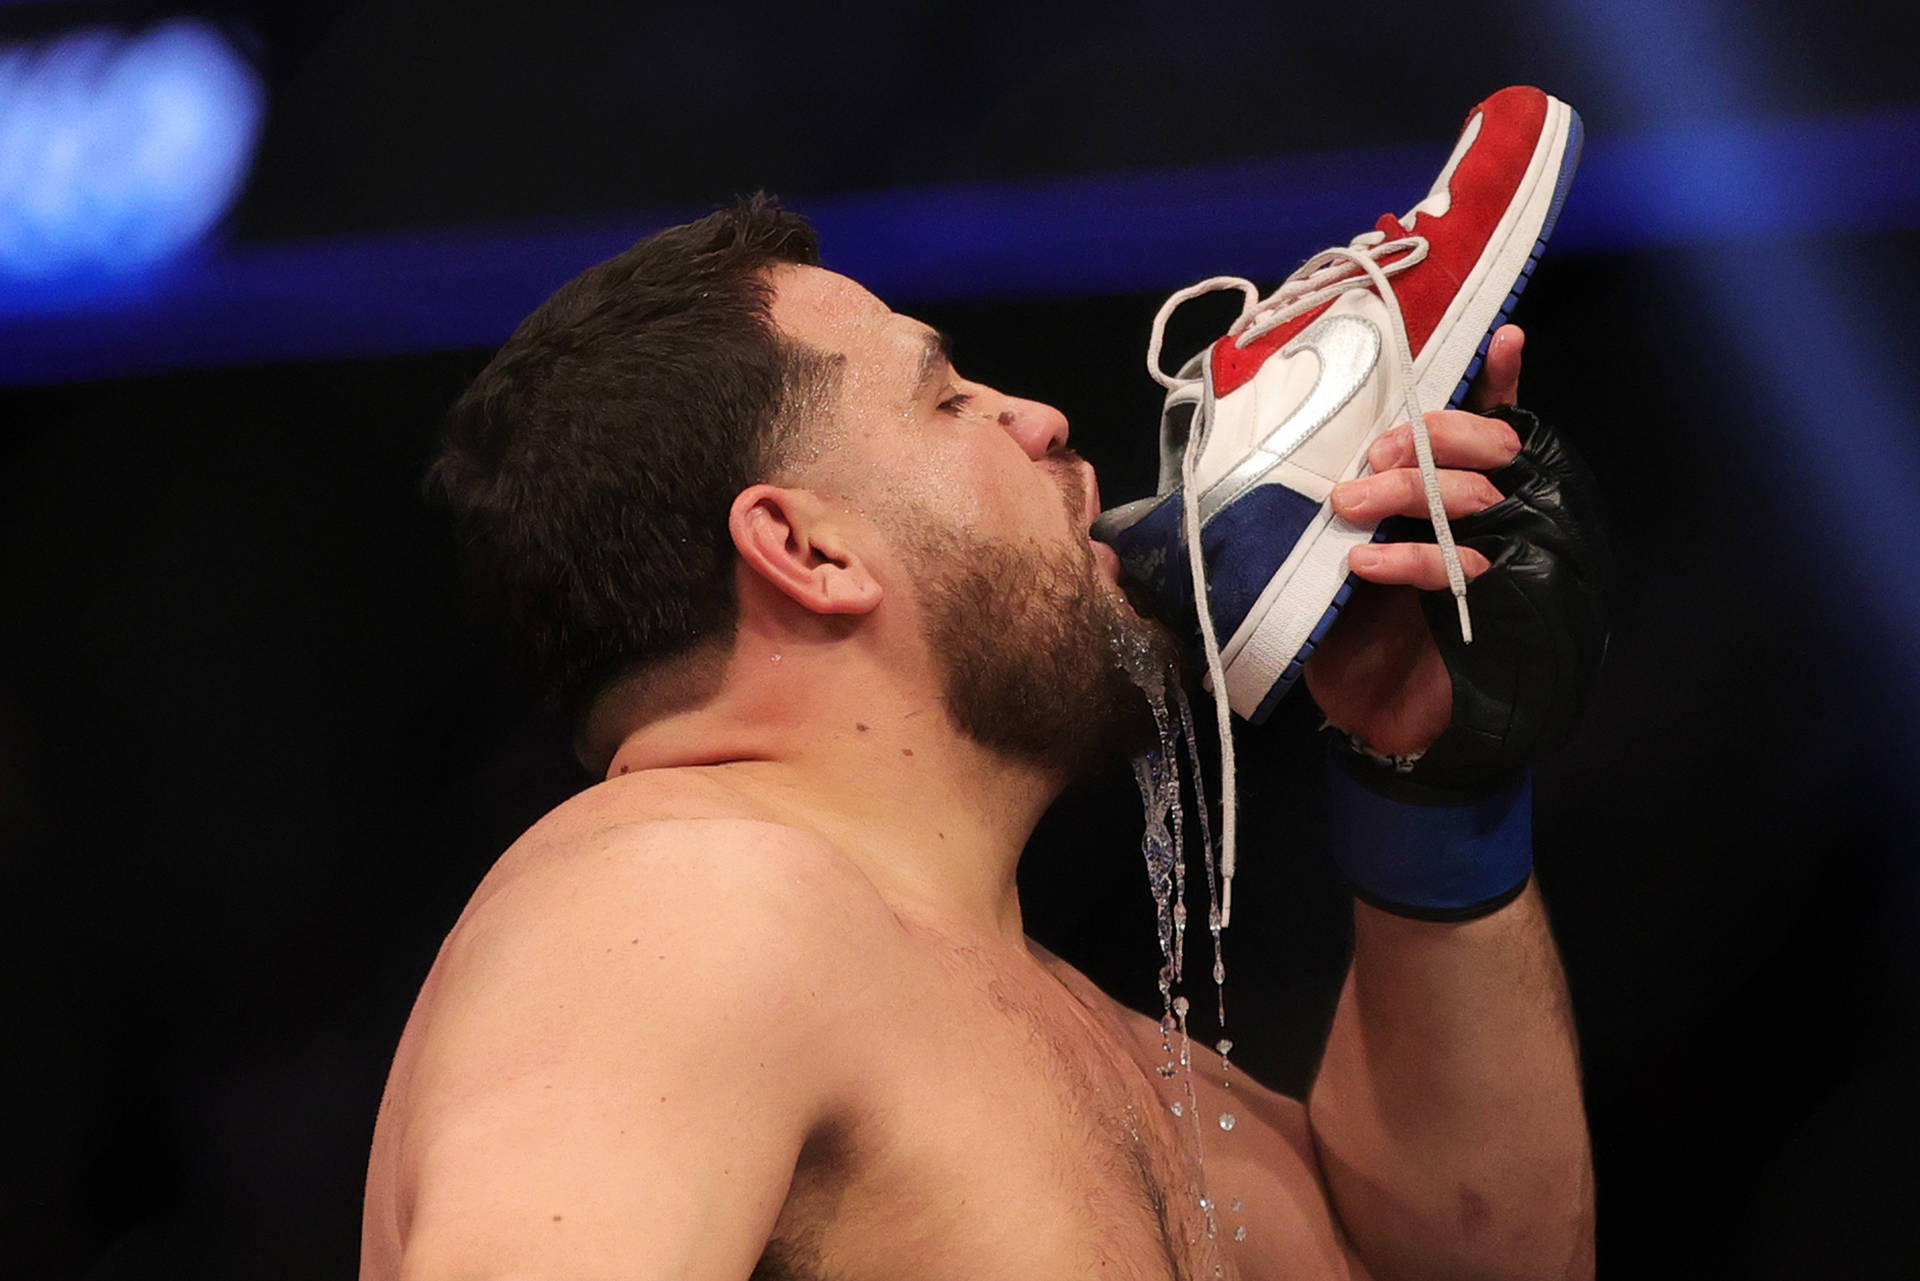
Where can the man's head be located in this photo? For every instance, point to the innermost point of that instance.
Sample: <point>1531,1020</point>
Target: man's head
<point>590,466</point>
<point>616,464</point>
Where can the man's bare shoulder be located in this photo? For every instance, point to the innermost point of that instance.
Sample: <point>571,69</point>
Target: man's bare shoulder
<point>651,799</point>
<point>629,929</point>
<point>648,975</point>
<point>674,861</point>
<point>641,894</point>
<point>681,821</point>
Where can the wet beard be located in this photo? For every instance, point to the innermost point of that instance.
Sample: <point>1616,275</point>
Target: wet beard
<point>1029,644</point>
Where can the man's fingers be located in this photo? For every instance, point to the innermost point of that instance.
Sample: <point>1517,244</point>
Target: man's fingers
<point>1460,439</point>
<point>1411,565</point>
<point>1499,380</point>
<point>1400,493</point>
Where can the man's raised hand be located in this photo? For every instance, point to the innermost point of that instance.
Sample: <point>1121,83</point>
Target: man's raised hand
<point>1379,674</point>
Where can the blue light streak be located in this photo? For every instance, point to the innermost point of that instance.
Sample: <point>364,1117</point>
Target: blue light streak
<point>1060,237</point>
<point>1824,400</point>
<point>1807,345</point>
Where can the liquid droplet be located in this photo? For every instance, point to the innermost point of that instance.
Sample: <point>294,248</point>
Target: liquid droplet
<point>1240,1234</point>
<point>1224,1046</point>
<point>1228,1121</point>
<point>1235,1207</point>
<point>1177,1108</point>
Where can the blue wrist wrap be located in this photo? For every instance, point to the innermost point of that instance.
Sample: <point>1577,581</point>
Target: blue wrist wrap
<point>1428,854</point>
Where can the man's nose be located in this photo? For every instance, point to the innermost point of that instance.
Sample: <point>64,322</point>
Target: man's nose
<point>1038,428</point>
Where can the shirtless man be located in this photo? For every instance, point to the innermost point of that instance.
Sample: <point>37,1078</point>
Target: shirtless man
<point>760,1004</point>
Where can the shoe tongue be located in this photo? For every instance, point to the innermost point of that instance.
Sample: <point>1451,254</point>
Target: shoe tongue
<point>1391,227</point>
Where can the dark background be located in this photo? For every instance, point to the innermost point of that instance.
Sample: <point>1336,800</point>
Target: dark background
<point>251,762</point>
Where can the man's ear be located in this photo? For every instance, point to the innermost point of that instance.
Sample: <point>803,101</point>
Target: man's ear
<point>793,540</point>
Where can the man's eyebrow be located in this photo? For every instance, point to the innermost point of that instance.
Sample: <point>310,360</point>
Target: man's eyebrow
<point>935,357</point>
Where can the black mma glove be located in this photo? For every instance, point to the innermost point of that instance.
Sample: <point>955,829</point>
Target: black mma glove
<point>1539,617</point>
<point>1446,835</point>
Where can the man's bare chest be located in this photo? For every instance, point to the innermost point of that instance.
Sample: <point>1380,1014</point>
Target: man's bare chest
<point>1006,1129</point>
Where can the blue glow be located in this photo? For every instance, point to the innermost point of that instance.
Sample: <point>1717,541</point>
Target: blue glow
<point>119,152</point>
<point>1821,353</point>
<point>1718,184</point>
<point>1054,238</point>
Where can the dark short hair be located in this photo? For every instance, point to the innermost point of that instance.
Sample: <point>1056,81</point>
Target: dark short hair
<point>590,467</point>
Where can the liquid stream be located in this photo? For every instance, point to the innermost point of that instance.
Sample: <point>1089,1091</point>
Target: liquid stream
<point>1159,776</point>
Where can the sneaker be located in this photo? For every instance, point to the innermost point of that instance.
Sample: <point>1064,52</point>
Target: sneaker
<point>1259,427</point>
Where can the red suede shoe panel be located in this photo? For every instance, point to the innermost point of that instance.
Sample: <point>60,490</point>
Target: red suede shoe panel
<point>1483,187</point>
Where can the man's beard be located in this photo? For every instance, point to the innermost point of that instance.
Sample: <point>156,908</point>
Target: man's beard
<point>1034,650</point>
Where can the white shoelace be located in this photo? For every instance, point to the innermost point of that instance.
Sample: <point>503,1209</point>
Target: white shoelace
<point>1320,279</point>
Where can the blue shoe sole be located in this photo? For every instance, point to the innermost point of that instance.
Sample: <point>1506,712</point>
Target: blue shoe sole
<point>1576,139</point>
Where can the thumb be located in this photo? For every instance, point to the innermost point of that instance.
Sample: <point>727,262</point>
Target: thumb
<point>1499,379</point>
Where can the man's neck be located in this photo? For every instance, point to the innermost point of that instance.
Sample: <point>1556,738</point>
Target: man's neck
<point>871,761</point>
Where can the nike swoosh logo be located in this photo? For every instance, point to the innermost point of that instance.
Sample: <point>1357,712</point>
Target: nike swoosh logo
<point>1348,348</point>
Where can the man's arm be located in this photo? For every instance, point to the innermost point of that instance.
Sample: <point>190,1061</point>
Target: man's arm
<point>1447,1112</point>
<point>622,1050</point>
